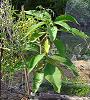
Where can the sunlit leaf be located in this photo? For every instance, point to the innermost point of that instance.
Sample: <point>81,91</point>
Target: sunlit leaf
<point>34,61</point>
<point>63,24</point>
<point>53,75</point>
<point>76,32</point>
<point>65,61</point>
<point>37,80</point>
<point>46,46</point>
<point>52,32</point>
<point>66,18</point>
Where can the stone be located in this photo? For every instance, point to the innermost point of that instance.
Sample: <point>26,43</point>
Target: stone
<point>79,9</point>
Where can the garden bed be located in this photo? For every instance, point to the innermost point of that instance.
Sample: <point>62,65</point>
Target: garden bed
<point>15,93</point>
<point>69,90</point>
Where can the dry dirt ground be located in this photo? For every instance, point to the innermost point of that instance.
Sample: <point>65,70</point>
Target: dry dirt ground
<point>83,69</point>
<point>15,92</point>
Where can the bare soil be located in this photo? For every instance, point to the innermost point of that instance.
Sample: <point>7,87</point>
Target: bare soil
<point>16,91</point>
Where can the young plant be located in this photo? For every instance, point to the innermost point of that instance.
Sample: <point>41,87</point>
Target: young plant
<point>44,64</point>
<point>29,49</point>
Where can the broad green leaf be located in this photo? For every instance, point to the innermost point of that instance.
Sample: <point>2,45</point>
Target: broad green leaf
<point>65,61</point>
<point>63,24</point>
<point>35,36</point>
<point>52,32</point>
<point>66,18</point>
<point>37,80</point>
<point>46,46</point>
<point>34,61</point>
<point>58,58</point>
<point>53,75</point>
<point>76,32</point>
<point>33,28</point>
<point>60,47</point>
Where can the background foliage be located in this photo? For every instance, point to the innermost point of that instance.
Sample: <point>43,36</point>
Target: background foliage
<point>58,6</point>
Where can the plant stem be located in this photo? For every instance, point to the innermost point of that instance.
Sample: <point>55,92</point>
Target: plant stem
<point>28,87</point>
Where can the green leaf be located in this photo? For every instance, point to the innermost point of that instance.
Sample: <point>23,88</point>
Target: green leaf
<point>52,32</point>
<point>58,58</point>
<point>65,61</point>
<point>46,46</point>
<point>66,18</point>
<point>53,75</point>
<point>39,15</point>
<point>35,36</point>
<point>34,61</point>
<point>63,24</point>
<point>76,32</point>
<point>60,47</point>
<point>37,80</point>
<point>33,28</point>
